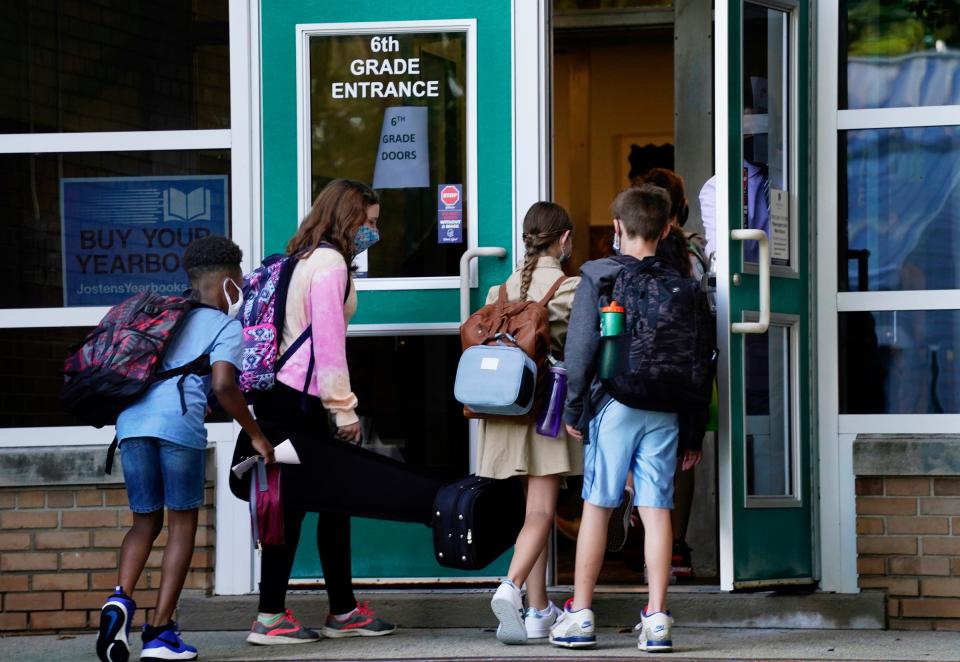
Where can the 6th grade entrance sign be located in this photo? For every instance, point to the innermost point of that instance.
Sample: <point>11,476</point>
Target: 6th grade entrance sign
<point>124,235</point>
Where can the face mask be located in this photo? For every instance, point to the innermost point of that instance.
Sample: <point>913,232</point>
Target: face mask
<point>616,244</point>
<point>233,307</point>
<point>365,238</point>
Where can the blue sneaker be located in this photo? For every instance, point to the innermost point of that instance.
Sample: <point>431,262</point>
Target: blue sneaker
<point>167,645</point>
<point>113,638</point>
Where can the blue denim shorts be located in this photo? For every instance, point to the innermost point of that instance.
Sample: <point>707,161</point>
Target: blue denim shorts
<point>161,473</point>
<point>624,440</point>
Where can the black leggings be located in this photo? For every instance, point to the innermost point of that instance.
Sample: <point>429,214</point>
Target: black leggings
<point>334,479</point>
<point>333,544</point>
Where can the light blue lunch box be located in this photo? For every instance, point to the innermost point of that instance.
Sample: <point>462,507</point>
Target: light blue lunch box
<point>496,379</point>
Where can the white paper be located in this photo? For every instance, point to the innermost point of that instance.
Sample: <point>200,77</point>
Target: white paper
<point>244,466</point>
<point>779,227</point>
<point>285,453</point>
<point>403,153</point>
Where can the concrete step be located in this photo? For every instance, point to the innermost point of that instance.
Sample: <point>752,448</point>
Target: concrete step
<point>468,608</point>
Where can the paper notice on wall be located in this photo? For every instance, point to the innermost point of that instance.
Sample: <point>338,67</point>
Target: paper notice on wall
<point>779,227</point>
<point>403,155</point>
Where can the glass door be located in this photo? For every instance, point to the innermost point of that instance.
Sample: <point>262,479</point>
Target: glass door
<point>764,271</point>
<point>392,94</point>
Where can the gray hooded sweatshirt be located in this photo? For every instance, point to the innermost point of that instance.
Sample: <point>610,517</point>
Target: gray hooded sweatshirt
<point>585,393</point>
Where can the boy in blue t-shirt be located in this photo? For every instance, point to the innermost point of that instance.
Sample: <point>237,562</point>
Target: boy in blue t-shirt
<point>163,450</point>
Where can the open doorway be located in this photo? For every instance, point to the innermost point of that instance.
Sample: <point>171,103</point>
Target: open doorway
<point>616,116</point>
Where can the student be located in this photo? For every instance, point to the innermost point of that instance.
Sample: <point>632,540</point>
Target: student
<point>334,479</point>
<point>515,449</point>
<point>619,440</point>
<point>686,252</point>
<point>163,452</point>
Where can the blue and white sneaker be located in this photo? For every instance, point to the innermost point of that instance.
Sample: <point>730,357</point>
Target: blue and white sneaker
<point>113,638</point>
<point>538,623</point>
<point>574,629</point>
<point>655,636</point>
<point>168,646</point>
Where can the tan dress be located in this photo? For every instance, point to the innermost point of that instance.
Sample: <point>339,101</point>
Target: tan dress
<point>509,449</point>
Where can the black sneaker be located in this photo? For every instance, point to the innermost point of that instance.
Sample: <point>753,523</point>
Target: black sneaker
<point>113,638</point>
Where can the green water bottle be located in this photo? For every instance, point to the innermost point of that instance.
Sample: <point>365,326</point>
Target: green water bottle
<point>612,322</point>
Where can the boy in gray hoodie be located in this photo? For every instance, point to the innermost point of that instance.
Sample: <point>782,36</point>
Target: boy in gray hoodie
<point>618,439</point>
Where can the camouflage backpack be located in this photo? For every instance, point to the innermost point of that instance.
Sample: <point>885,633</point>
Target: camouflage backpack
<point>672,344</point>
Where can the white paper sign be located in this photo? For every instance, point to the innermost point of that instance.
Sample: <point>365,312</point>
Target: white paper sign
<point>779,227</point>
<point>403,157</point>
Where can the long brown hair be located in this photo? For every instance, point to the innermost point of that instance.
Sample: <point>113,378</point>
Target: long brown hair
<point>544,223</point>
<point>340,208</point>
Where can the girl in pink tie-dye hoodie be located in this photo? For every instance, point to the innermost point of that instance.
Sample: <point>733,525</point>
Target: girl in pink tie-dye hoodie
<point>319,419</point>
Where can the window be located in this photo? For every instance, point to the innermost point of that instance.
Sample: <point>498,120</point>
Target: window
<point>114,65</point>
<point>107,171</point>
<point>900,209</point>
<point>899,54</point>
<point>766,131</point>
<point>90,229</point>
<point>900,362</point>
<point>392,108</point>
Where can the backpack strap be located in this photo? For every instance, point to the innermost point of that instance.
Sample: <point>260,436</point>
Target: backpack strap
<point>111,450</point>
<point>552,291</point>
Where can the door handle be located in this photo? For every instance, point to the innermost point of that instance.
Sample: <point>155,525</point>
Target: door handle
<point>760,237</point>
<point>468,255</point>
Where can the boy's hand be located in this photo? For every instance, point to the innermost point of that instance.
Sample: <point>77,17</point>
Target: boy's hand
<point>574,432</point>
<point>691,459</point>
<point>263,446</point>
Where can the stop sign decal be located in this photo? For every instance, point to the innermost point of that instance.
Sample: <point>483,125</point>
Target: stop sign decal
<point>450,196</point>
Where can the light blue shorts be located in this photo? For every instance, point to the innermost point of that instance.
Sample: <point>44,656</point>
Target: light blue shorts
<point>624,440</point>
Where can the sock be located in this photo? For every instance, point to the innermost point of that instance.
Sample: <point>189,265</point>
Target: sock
<point>507,581</point>
<point>544,611</point>
<point>151,632</point>
<point>269,619</point>
<point>343,617</point>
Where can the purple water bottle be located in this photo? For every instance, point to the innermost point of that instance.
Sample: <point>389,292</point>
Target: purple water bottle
<point>551,418</point>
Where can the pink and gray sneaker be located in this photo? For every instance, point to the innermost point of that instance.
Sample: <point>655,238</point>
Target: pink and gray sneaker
<point>282,629</point>
<point>361,622</point>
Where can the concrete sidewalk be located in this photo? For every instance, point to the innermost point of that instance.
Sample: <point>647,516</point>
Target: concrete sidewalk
<point>480,644</point>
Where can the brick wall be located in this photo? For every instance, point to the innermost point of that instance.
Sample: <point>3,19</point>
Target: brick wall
<point>59,550</point>
<point>908,543</point>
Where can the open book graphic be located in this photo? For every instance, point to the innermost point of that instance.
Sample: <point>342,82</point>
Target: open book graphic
<point>192,206</point>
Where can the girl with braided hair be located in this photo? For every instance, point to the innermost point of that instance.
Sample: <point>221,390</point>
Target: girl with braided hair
<point>509,449</point>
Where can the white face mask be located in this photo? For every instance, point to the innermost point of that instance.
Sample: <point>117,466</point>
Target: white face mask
<point>234,307</point>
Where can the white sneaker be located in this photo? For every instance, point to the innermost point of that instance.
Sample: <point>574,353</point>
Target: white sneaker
<point>538,623</point>
<point>655,632</point>
<point>574,629</point>
<point>507,606</point>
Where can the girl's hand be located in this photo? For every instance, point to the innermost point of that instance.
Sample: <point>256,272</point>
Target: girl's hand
<point>574,432</point>
<point>351,433</point>
<point>691,459</point>
<point>263,447</point>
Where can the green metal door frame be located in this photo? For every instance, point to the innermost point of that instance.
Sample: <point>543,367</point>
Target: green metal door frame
<point>762,544</point>
<point>510,163</point>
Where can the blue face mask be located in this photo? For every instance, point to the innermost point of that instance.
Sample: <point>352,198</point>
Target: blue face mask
<point>365,238</point>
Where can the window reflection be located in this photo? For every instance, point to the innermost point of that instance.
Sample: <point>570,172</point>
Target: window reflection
<point>765,120</point>
<point>899,54</point>
<point>390,110</point>
<point>113,65</point>
<point>902,204</point>
<point>900,362</point>
<point>32,241</point>
<point>767,380</point>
